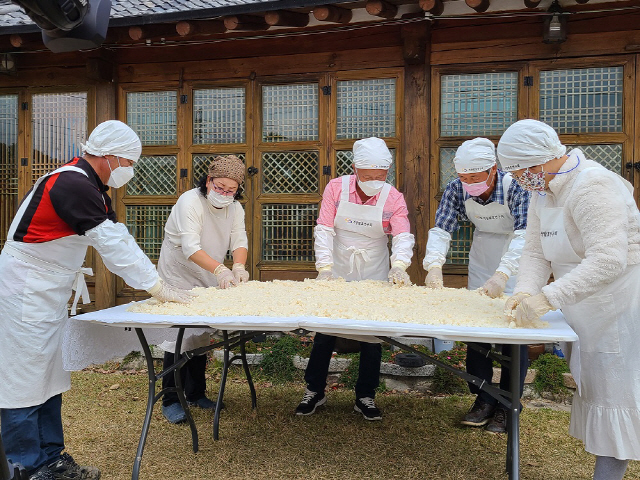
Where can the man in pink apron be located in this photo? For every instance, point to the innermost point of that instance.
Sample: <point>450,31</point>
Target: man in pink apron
<point>584,227</point>
<point>357,215</point>
<point>66,211</point>
<point>497,207</point>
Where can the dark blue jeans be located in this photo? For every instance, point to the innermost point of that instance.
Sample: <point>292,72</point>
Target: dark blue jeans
<point>32,436</point>
<point>318,366</point>
<point>482,367</point>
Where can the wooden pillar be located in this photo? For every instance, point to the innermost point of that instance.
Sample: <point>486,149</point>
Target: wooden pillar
<point>380,8</point>
<point>478,5</point>
<point>416,139</point>
<point>434,7</point>
<point>331,13</point>
<point>285,18</point>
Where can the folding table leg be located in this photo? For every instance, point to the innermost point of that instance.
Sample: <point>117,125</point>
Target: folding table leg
<point>180,392</point>
<point>513,420</point>
<point>245,365</point>
<point>223,382</point>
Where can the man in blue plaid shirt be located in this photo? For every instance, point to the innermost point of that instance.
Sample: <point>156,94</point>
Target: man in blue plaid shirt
<point>497,206</point>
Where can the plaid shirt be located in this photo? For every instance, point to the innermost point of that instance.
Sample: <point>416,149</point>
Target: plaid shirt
<point>452,210</point>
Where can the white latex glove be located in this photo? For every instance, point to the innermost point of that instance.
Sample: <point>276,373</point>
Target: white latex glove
<point>513,302</point>
<point>398,274</point>
<point>494,287</point>
<point>532,308</point>
<point>225,277</point>
<point>166,293</point>
<point>325,273</point>
<point>239,272</point>
<point>434,278</point>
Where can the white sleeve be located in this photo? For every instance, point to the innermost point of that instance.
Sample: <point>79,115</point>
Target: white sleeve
<point>323,245</point>
<point>438,242</point>
<point>122,255</point>
<point>238,230</point>
<point>402,248</point>
<point>187,218</point>
<point>511,258</point>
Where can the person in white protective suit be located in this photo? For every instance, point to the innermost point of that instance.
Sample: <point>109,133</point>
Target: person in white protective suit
<point>497,207</point>
<point>66,211</point>
<point>204,224</point>
<point>357,214</point>
<point>584,227</point>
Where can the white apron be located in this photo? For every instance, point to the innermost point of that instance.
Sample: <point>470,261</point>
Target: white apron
<point>604,362</point>
<point>361,249</point>
<point>36,283</point>
<point>177,270</point>
<point>491,237</point>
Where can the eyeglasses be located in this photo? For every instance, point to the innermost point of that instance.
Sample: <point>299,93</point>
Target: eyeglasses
<point>222,191</point>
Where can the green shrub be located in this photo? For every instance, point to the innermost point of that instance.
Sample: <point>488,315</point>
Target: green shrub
<point>277,362</point>
<point>549,377</point>
<point>444,381</point>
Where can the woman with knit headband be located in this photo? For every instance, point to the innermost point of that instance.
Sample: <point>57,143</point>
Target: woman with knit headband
<point>204,224</point>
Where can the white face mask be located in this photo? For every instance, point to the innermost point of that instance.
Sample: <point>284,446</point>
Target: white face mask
<point>120,175</point>
<point>371,187</point>
<point>219,201</point>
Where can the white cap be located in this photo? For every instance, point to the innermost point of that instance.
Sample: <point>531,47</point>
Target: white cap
<point>528,143</point>
<point>477,155</point>
<point>371,153</point>
<point>113,138</point>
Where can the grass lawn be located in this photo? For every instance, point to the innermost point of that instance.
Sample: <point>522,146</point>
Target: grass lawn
<point>419,437</point>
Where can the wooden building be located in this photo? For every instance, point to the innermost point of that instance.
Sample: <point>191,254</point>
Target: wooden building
<point>289,86</point>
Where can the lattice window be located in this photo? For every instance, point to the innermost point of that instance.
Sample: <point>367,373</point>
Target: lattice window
<point>460,244</point>
<point>447,169</point>
<point>154,175</point>
<point>219,115</point>
<point>59,124</point>
<point>478,104</point>
<point>609,156</point>
<point>582,100</point>
<point>8,163</point>
<point>290,172</point>
<point>201,164</point>
<point>287,232</point>
<point>344,165</point>
<point>290,112</point>
<point>146,224</point>
<point>152,115</point>
<point>366,108</point>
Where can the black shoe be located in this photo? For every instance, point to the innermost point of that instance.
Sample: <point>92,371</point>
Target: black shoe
<point>43,474</point>
<point>67,469</point>
<point>205,404</point>
<point>498,423</point>
<point>480,413</point>
<point>367,407</point>
<point>310,401</point>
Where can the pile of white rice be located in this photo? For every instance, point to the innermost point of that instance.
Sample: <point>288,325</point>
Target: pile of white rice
<point>365,300</point>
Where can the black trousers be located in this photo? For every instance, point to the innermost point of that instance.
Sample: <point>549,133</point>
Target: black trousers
<point>318,366</point>
<point>482,367</point>
<point>192,376</point>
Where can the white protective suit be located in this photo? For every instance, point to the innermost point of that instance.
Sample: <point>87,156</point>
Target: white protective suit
<point>586,230</point>
<point>194,224</point>
<point>35,287</point>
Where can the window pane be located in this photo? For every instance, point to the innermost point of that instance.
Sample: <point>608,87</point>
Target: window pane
<point>460,244</point>
<point>8,162</point>
<point>582,100</point>
<point>152,115</point>
<point>290,172</point>
<point>478,104</point>
<point>146,224</point>
<point>287,232</point>
<point>59,124</point>
<point>344,165</point>
<point>447,169</point>
<point>219,115</point>
<point>154,176</point>
<point>201,164</point>
<point>609,156</point>
<point>290,113</point>
<point>366,108</point>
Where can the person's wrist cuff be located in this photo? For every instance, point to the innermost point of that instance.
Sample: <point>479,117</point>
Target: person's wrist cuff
<point>219,269</point>
<point>156,288</point>
<point>400,264</point>
<point>326,268</point>
<point>434,265</point>
<point>238,266</point>
<point>502,274</point>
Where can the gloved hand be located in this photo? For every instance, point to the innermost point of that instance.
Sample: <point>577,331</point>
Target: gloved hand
<point>495,285</point>
<point>398,274</point>
<point>225,277</point>
<point>239,272</point>
<point>166,293</point>
<point>532,308</point>
<point>513,302</point>
<point>434,278</point>
<point>325,273</point>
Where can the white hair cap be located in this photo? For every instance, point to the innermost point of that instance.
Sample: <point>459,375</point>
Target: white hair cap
<point>528,143</point>
<point>371,153</point>
<point>113,138</point>
<point>477,155</point>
